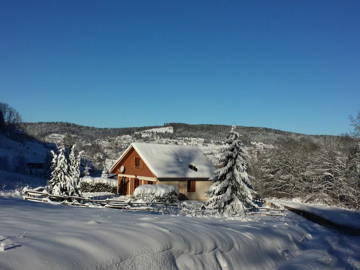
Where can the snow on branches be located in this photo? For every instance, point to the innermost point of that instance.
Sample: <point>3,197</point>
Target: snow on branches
<point>73,184</point>
<point>232,194</point>
<point>65,173</point>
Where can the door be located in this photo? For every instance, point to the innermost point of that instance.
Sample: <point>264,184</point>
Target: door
<point>123,185</point>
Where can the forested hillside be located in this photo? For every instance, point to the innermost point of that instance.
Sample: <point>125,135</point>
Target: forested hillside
<point>282,164</point>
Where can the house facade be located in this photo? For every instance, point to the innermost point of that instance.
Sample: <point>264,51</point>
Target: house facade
<point>185,167</point>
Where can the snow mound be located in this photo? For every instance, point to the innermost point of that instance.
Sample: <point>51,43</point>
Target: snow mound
<point>11,193</point>
<point>101,180</point>
<point>157,193</point>
<point>159,190</point>
<point>339,216</point>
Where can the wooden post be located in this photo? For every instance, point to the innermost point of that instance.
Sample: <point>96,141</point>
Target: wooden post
<point>118,185</point>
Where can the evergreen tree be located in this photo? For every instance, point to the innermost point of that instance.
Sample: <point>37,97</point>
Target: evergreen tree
<point>54,171</point>
<point>73,183</point>
<point>60,174</point>
<point>232,193</point>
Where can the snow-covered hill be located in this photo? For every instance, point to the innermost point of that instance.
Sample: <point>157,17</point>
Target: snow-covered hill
<point>16,157</point>
<point>283,164</point>
<point>14,154</point>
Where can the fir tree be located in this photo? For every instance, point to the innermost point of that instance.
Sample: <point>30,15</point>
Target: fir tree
<point>59,175</point>
<point>54,171</point>
<point>73,183</point>
<point>231,193</point>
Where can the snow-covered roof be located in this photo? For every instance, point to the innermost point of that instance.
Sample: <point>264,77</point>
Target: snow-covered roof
<point>173,161</point>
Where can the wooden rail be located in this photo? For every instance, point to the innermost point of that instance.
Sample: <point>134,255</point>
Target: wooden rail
<point>32,195</point>
<point>38,196</point>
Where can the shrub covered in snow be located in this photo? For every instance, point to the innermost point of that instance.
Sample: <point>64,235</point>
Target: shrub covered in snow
<point>97,187</point>
<point>193,208</point>
<point>157,193</point>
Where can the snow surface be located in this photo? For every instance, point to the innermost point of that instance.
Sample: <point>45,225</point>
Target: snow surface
<point>43,236</point>
<point>148,133</point>
<point>98,195</point>
<point>336,215</point>
<point>172,161</point>
<point>102,180</point>
<point>159,190</point>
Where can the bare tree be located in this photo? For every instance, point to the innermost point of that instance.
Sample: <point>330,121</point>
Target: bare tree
<point>8,116</point>
<point>2,120</point>
<point>355,122</point>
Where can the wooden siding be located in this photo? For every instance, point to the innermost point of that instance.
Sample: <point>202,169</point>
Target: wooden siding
<point>129,163</point>
<point>127,185</point>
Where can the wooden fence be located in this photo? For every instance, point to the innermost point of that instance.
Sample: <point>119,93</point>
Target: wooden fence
<point>159,207</point>
<point>38,196</point>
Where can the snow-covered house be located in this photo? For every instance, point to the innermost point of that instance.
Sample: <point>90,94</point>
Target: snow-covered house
<point>185,167</point>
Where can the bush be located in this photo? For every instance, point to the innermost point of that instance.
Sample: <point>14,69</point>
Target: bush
<point>157,193</point>
<point>97,187</point>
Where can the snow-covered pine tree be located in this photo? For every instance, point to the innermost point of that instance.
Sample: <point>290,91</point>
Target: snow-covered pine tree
<point>232,194</point>
<point>73,183</point>
<point>53,181</point>
<point>59,174</point>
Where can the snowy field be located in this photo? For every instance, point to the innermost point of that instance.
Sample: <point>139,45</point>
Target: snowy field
<point>44,236</point>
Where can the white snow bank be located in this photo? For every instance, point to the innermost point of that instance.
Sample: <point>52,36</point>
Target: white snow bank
<point>58,237</point>
<point>11,193</point>
<point>96,194</point>
<point>159,190</point>
<point>102,180</point>
<point>340,216</point>
<point>192,204</point>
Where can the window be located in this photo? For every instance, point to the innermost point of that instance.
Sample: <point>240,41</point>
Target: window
<point>191,186</point>
<point>137,162</point>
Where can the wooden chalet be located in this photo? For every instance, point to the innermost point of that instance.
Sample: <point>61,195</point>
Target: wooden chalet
<point>185,167</point>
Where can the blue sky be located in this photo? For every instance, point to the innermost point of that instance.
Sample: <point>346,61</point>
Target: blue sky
<point>290,65</point>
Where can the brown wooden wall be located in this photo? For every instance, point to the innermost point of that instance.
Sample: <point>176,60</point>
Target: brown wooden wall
<point>129,163</point>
